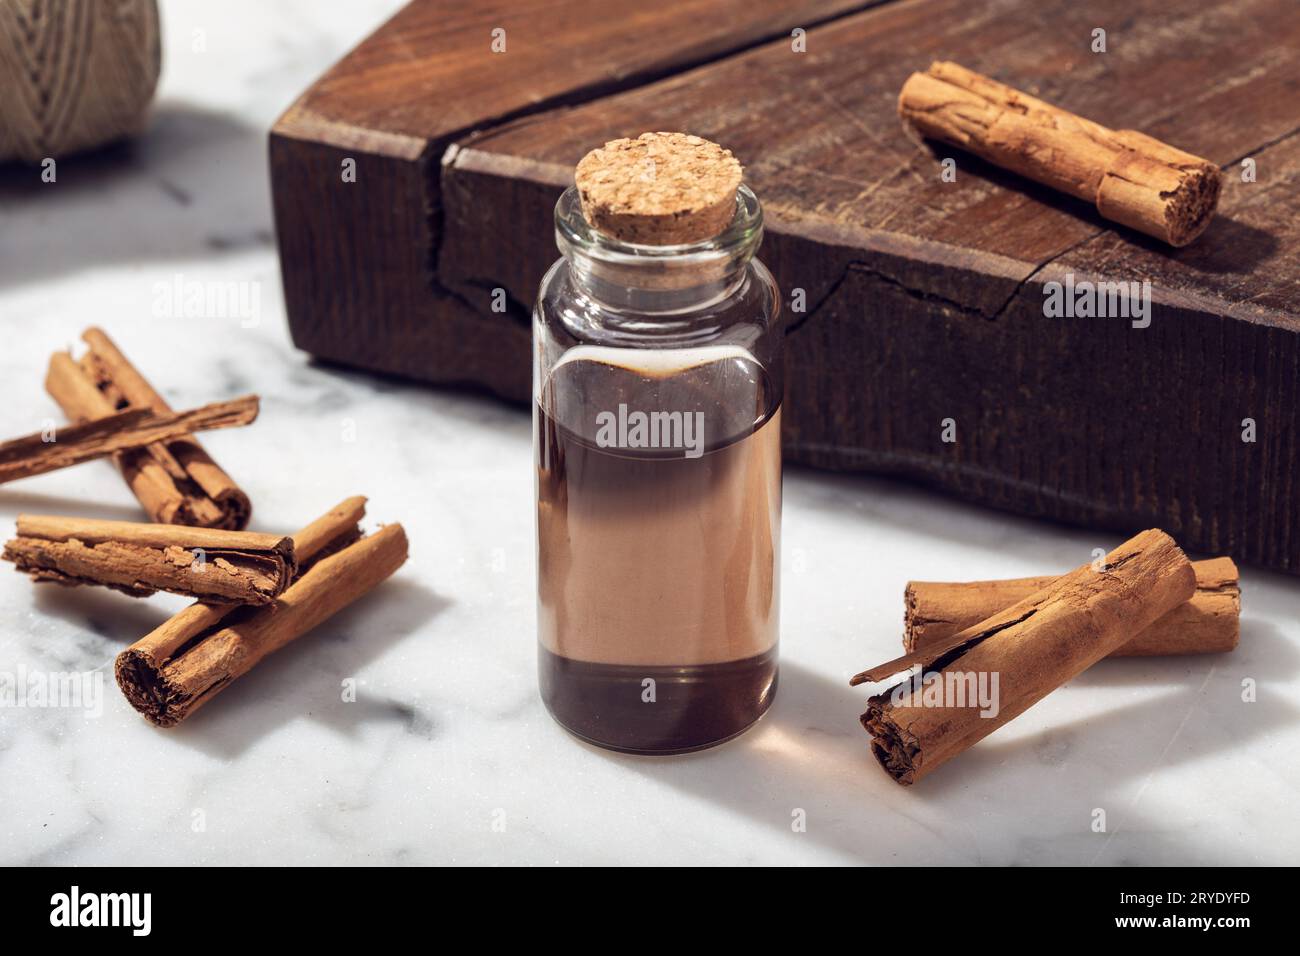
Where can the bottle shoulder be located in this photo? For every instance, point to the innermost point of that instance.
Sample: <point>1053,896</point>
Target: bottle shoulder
<point>565,310</point>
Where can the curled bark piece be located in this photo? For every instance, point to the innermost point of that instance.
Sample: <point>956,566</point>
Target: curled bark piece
<point>1130,177</point>
<point>1207,624</point>
<point>236,567</point>
<point>183,664</point>
<point>1022,653</point>
<point>176,481</point>
<point>134,428</point>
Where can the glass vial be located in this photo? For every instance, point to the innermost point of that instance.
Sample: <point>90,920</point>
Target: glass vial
<point>657,425</point>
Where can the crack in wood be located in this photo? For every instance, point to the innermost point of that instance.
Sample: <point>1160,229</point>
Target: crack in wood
<point>577,97</point>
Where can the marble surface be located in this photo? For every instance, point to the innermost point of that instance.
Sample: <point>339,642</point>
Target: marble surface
<point>447,756</point>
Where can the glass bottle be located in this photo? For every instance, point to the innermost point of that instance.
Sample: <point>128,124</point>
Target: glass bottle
<point>657,422</point>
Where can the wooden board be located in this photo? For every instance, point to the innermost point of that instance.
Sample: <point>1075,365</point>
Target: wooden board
<point>924,298</point>
<point>360,258</point>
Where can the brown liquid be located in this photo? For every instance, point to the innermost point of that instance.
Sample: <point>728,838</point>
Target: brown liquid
<point>657,572</point>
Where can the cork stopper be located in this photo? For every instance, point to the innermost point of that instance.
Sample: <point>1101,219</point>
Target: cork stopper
<point>659,189</point>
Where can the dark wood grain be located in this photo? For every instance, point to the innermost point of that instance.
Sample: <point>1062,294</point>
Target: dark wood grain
<point>358,258</point>
<point>925,298</point>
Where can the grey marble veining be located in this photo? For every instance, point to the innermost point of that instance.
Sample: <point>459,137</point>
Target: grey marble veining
<point>447,755</point>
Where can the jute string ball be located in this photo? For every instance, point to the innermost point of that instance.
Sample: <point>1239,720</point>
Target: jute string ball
<point>74,74</point>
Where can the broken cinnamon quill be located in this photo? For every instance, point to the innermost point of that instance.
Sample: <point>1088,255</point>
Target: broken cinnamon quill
<point>189,659</point>
<point>1207,624</point>
<point>134,428</point>
<point>234,567</point>
<point>1024,652</point>
<point>175,480</point>
<point>1130,177</point>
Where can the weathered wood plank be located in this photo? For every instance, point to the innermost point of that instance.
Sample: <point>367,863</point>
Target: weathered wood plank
<point>357,257</point>
<point>925,298</point>
<point>822,144</point>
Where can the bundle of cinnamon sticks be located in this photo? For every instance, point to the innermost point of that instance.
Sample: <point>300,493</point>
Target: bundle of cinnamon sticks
<point>181,665</point>
<point>176,481</point>
<point>255,592</point>
<point>981,653</point>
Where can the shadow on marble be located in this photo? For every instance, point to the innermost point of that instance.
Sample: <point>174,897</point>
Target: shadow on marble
<point>194,184</point>
<point>1129,733</point>
<point>30,502</point>
<point>475,405</point>
<point>304,680</point>
<point>1264,651</point>
<point>120,619</point>
<point>906,505</point>
<point>790,755</point>
<point>793,759</point>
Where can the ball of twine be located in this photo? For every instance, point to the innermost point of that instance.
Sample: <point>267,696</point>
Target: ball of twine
<point>75,74</point>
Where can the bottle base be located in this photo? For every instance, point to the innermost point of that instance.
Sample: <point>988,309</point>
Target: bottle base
<point>657,710</point>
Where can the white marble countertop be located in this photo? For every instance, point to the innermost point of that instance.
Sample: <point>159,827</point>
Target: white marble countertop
<point>448,739</point>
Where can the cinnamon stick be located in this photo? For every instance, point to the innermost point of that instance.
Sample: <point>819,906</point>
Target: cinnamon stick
<point>175,479</point>
<point>185,662</point>
<point>1207,624</point>
<point>1021,654</point>
<point>237,567</point>
<point>333,531</point>
<point>39,453</point>
<point>1130,177</point>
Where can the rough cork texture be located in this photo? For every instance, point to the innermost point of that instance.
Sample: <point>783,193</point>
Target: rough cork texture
<point>659,189</point>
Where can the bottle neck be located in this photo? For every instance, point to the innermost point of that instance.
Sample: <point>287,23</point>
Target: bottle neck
<point>634,280</point>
